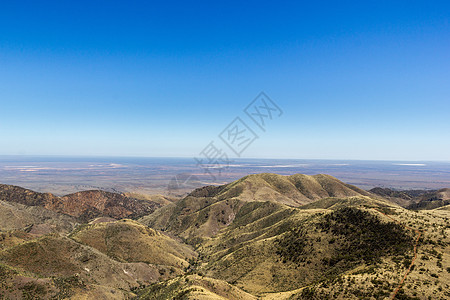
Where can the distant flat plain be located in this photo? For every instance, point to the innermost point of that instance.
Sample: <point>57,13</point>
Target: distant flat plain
<point>63,175</point>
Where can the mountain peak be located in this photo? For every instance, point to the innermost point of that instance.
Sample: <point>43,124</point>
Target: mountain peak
<point>293,190</point>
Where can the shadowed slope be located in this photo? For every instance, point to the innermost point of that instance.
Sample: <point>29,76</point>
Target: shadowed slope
<point>415,199</point>
<point>432,200</point>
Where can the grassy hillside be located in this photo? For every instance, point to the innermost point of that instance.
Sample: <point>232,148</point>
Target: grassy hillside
<point>129,241</point>
<point>290,190</point>
<point>58,266</point>
<point>207,210</point>
<point>36,219</point>
<point>290,247</point>
<point>429,275</point>
<point>194,287</point>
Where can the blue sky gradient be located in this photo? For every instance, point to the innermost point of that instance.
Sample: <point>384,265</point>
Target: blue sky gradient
<point>355,79</point>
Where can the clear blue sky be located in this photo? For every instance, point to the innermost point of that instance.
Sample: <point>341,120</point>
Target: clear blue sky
<point>355,79</point>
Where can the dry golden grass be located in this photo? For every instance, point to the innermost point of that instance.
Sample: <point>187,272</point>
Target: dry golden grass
<point>129,241</point>
<point>194,287</point>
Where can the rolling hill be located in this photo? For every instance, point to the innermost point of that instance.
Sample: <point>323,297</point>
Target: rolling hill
<point>129,241</point>
<point>206,210</point>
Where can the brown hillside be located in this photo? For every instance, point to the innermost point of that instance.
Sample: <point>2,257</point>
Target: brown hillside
<point>84,205</point>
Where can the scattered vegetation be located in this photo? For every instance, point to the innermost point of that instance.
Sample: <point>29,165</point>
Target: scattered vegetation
<point>251,239</point>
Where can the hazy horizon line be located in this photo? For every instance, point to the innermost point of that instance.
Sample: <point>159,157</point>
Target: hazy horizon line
<point>232,158</point>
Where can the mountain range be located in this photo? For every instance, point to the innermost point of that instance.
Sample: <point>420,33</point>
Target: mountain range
<point>264,236</point>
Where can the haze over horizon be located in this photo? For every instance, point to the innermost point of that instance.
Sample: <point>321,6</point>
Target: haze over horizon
<point>354,80</point>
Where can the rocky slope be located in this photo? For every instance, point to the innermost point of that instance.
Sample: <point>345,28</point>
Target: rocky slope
<point>84,205</point>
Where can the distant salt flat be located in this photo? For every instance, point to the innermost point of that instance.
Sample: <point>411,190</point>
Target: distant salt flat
<point>416,165</point>
<point>283,166</point>
<point>63,175</point>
